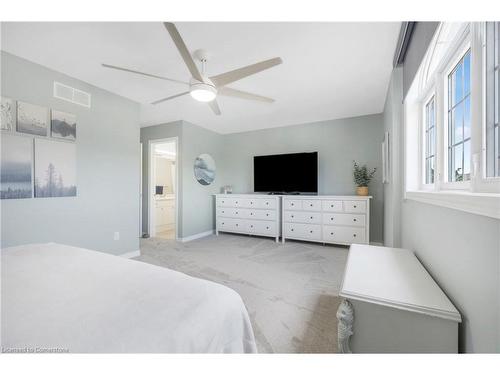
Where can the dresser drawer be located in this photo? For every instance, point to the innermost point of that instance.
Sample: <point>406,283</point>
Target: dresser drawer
<point>225,202</point>
<point>261,227</point>
<point>332,206</point>
<point>355,206</point>
<point>238,213</point>
<point>248,203</point>
<point>311,205</point>
<point>303,231</point>
<point>302,217</point>
<point>344,219</point>
<point>262,214</point>
<point>243,202</point>
<point>230,224</point>
<point>224,212</point>
<point>292,204</point>
<point>343,234</point>
<point>266,203</point>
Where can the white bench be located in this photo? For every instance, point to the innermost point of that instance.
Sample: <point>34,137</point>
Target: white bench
<point>392,305</point>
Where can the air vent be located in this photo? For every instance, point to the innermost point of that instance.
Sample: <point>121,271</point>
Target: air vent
<point>71,94</point>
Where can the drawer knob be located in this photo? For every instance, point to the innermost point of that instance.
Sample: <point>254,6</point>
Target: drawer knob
<point>354,235</point>
<point>293,204</point>
<point>267,227</point>
<point>331,233</point>
<point>355,206</point>
<point>293,216</point>
<point>222,223</point>
<point>267,214</point>
<point>311,217</point>
<point>251,202</point>
<point>237,224</point>
<point>267,203</point>
<point>251,226</point>
<point>331,205</point>
<point>331,218</point>
<point>354,219</point>
<point>310,231</point>
<point>311,205</point>
<point>292,229</point>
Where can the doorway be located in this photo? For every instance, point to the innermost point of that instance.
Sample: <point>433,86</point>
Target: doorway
<point>163,188</point>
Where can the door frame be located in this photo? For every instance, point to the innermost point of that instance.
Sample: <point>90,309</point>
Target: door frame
<point>152,185</point>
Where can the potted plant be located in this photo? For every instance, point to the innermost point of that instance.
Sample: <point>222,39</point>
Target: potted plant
<point>362,177</point>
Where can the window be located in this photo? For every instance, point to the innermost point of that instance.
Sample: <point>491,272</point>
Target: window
<point>492,99</point>
<point>452,107</point>
<point>459,124</point>
<point>430,141</point>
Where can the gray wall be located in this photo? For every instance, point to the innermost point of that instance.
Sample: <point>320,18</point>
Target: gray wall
<point>107,168</point>
<point>233,154</point>
<point>460,250</point>
<point>421,37</point>
<point>195,212</point>
<point>338,142</point>
<point>393,189</point>
<point>197,200</point>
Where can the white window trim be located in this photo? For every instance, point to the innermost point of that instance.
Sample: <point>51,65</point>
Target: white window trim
<point>479,196</point>
<point>423,141</point>
<point>485,204</point>
<point>484,182</point>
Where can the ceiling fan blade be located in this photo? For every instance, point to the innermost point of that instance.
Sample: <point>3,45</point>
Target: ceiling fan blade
<point>237,74</point>
<point>186,56</point>
<point>142,73</point>
<point>215,107</point>
<point>227,91</point>
<point>170,97</point>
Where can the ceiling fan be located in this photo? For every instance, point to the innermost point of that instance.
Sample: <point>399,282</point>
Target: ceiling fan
<point>202,87</point>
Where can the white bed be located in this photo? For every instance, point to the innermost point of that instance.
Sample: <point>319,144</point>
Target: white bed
<point>83,301</point>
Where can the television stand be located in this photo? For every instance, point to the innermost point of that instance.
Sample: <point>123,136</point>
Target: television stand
<point>283,193</point>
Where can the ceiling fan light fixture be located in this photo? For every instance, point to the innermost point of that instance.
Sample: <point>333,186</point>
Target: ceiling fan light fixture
<point>203,92</point>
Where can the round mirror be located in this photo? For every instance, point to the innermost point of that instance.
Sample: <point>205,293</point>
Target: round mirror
<point>204,169</point>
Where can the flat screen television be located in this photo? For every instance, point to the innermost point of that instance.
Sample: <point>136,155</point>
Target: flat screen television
<point>286,173</point>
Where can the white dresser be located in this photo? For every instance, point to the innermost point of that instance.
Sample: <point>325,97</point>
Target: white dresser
<point>255,214</point>
<point>329,219</point>
<point>392,305</point>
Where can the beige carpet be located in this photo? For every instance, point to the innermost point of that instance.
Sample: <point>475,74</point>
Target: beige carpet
<point>290,291</point>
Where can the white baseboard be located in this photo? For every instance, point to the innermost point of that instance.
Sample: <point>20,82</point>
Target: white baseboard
<point>131,254</point>
<point>196,236</point>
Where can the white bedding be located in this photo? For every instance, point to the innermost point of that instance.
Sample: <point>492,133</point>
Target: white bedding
<point>83,301</point>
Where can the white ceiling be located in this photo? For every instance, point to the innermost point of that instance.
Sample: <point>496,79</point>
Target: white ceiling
<point>329,70</point>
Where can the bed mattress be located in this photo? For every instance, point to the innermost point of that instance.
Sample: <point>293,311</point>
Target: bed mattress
<point>66,299</point>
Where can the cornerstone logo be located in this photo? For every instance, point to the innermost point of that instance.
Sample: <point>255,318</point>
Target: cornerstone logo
<point>34,350</point>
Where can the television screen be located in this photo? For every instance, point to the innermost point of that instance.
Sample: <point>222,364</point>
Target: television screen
<point>286,173</point>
